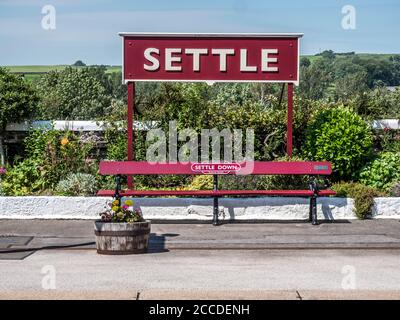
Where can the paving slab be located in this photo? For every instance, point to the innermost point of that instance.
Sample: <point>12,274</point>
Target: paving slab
<point>14,240</point>
<point>15,255</point>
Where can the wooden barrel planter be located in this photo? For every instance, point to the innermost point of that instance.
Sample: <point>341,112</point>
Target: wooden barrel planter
<point>122,238</point>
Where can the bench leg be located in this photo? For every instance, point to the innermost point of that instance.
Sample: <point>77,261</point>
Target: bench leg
<point>215,206</point>
<point>313,211</point>
<point>215,211</point>
<point>117,196</point>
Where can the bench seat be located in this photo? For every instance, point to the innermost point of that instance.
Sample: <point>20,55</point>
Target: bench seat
<point>218,193</point>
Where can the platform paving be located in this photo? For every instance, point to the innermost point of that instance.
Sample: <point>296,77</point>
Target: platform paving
<point>200,261</point>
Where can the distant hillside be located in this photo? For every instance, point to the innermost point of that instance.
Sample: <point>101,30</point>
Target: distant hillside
<point>33,72</point>
<point>44,69</point>
<point>381,56</point>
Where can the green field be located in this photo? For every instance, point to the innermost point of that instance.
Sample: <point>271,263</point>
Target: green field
<point>34,73</point>
<point>43,69</point>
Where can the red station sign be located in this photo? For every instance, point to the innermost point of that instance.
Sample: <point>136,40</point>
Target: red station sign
<point>211,57</point>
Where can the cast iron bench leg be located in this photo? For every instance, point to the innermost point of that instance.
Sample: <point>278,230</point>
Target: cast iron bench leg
<point>313,202</point>
<point>117,195</point>
<point>215,212</point>
<point>215,206</point>
<point>313,210</point>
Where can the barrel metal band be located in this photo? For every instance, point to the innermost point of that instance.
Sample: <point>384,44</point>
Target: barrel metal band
<point>131,233</point>
<point>122,252</point>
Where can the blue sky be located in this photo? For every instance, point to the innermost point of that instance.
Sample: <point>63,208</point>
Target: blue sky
<point>87,29</point>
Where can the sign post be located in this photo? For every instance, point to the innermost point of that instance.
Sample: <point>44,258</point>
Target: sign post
<point>131,108</point>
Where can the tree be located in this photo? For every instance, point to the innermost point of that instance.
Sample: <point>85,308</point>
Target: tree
<point>378,69</point>
<point>74,94</point>
<point>328,54</point>
<point>79,63</point>
<point>395,66</point>
<point>18,100</point>
<point>110,81</point>
<point>346,66</point>
<point>305,62</point>
<point>315,79</point>
<point>351,86</point>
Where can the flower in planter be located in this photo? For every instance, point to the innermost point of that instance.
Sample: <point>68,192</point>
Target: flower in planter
<point>2,170</point>
<point>129,203</point>
<point>122,212</point>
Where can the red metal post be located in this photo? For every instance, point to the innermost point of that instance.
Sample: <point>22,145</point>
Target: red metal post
<point>289,145</point>
<point>131,102</point>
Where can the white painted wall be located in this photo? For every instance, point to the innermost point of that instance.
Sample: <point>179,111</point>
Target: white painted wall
<point>75,125</point>
<point>393,124</point>
<point>267,208</point>
<point>89,125</point>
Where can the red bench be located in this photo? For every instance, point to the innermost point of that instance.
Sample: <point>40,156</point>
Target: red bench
<point>311,169</point>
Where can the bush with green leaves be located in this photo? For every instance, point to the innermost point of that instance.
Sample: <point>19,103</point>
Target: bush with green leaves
<point>24,178</point>
<point>342,137</point>
<point>201,182</point>
<point>394,190</point>
<point>388,140</point>
<point>379,103</point>
<point>77,184</point>
<point>49,157</point>
<point>382,172</point>
<point>362,195</point>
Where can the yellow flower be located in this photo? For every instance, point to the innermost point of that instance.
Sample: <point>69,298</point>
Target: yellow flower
<point>120,214</point>
<point>115,202</point>
<point>64,141</point>
<point>129,203</point>
<point>115,208</point>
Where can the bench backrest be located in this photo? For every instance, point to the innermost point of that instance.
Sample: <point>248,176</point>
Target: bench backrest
<point>255,168</point>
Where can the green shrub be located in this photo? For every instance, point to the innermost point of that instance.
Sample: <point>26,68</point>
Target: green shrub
<point>342,137</point>
<point>23,179</point>
<point>50,156</point>
<point>201,182</point>
<point>233,182</point>
<point>283,182</point>
<point>382,172</point>
<point>395,190</point>
<point>363,196</point>
<point>388,140</point>
<point>77,184</point>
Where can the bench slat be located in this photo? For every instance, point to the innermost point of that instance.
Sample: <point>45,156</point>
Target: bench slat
<point>255,168</point>
<point>211,193</point>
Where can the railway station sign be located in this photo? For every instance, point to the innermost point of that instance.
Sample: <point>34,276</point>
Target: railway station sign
<point>211,57</point>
